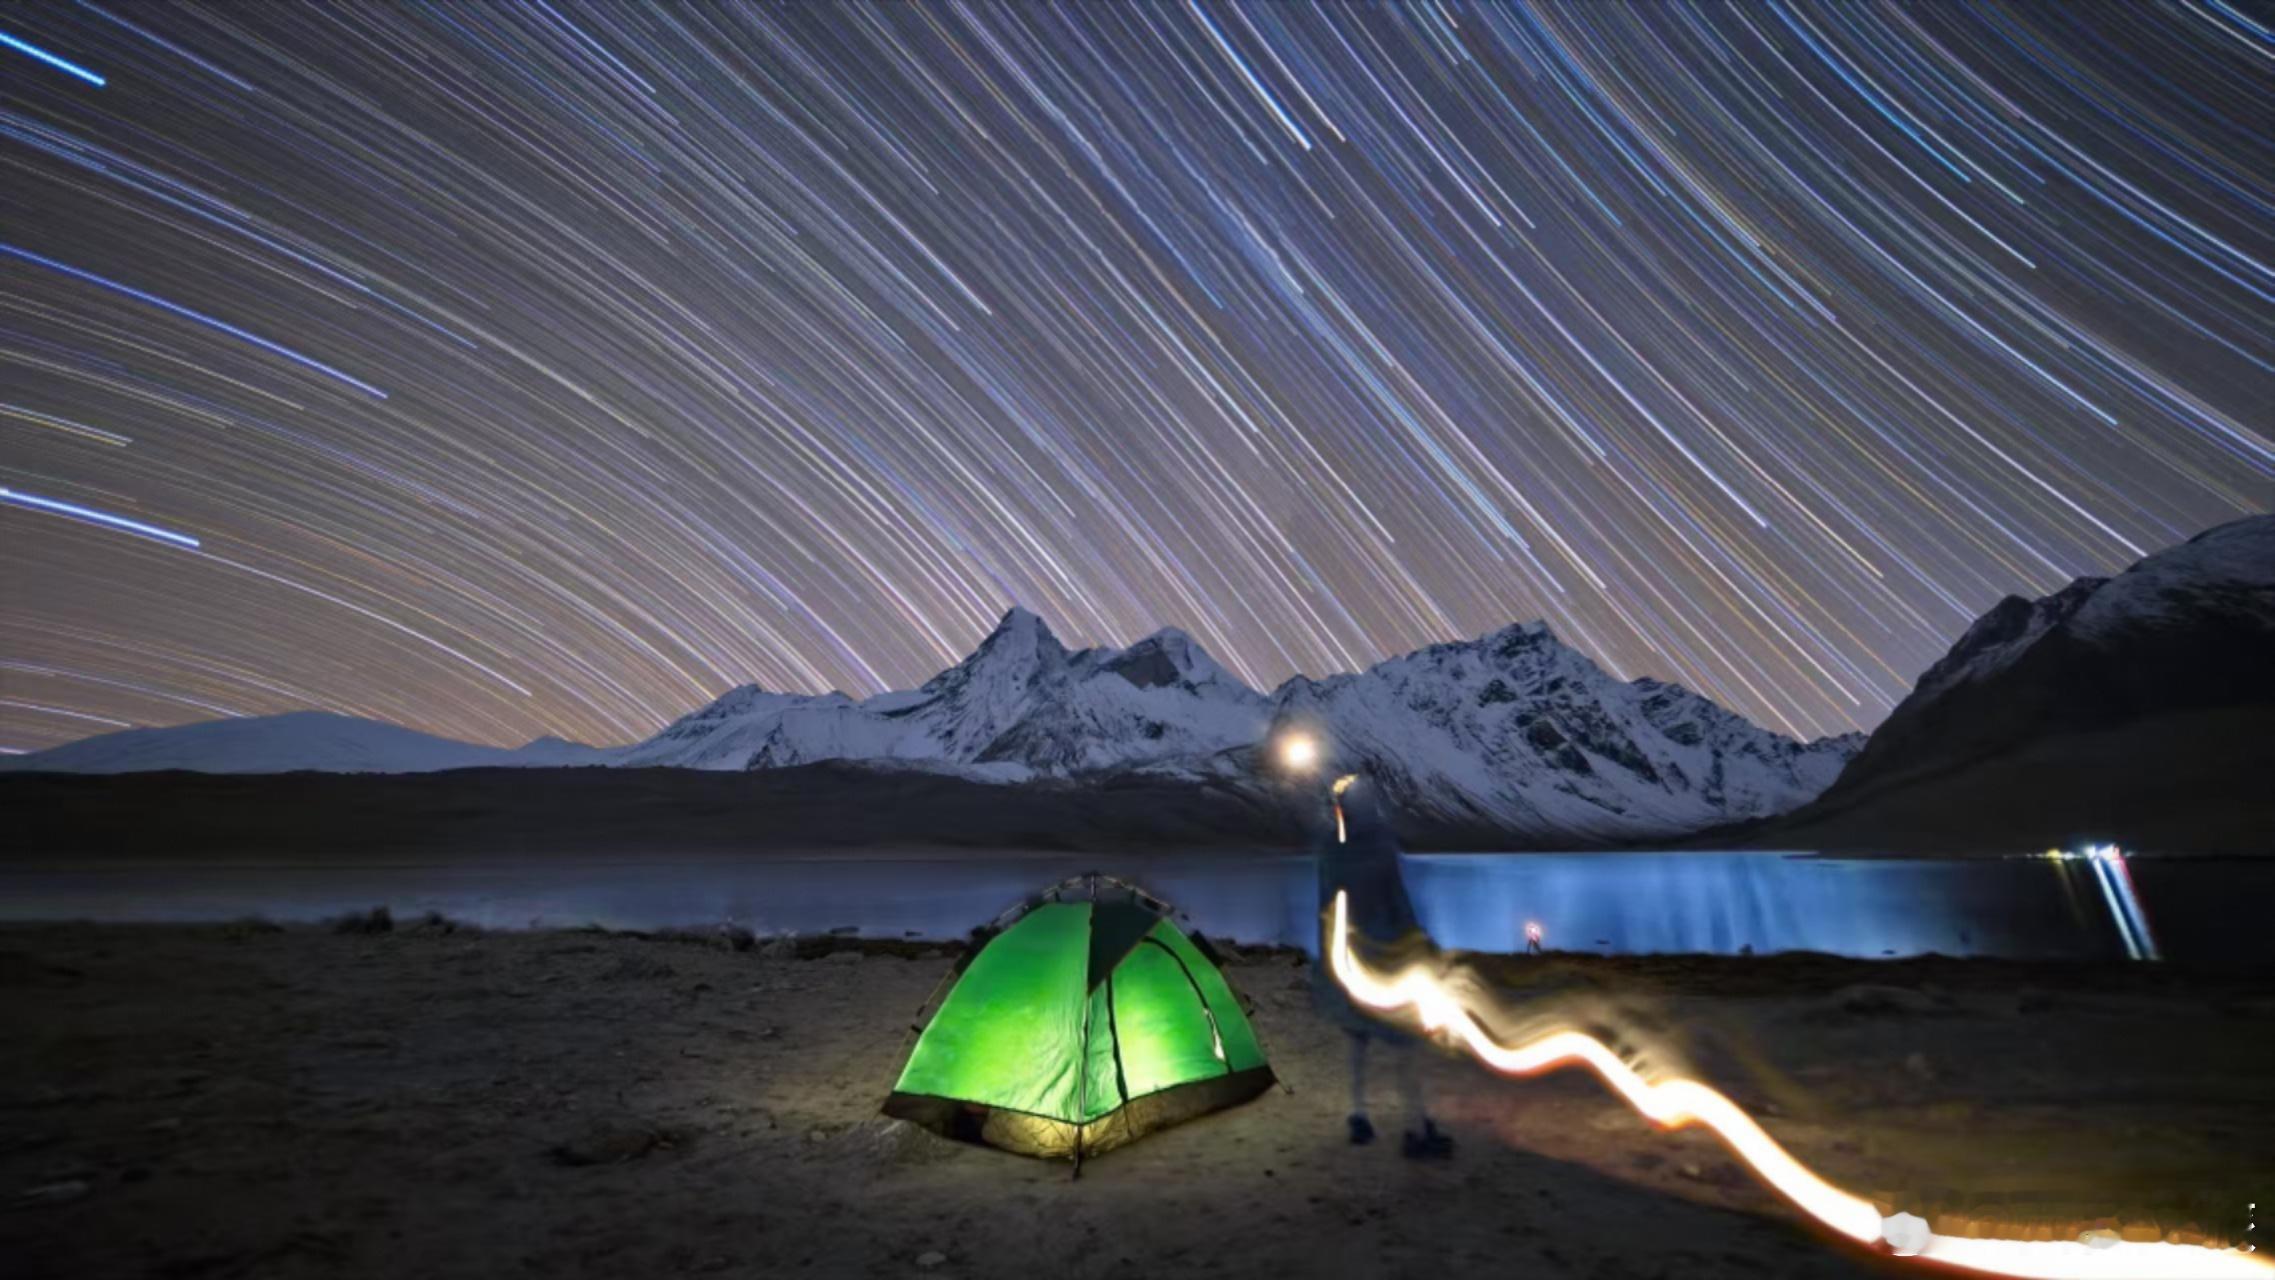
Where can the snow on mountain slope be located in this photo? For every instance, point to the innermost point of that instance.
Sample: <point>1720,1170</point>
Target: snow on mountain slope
<point>2227,571</point>
<point>2003,634</point>
<point>2225,574</point>
<point>2191,627</point>
<point>1020,704</point>
<point>301,740</point>
<point>1019,668</point>
<point>1517,732</point>
<point>1162,698</point>
<point>751,728</point>
<point>1512,732</point>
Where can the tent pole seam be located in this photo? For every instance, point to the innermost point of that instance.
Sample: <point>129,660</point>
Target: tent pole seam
<point>1202,996</point>
<point>1114,1029</point>
<point>1082,1069</point>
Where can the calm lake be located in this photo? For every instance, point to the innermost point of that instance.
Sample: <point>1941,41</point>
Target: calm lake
<point>2189,910</point>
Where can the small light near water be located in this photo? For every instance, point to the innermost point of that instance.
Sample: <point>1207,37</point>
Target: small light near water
<point>2106,863</point>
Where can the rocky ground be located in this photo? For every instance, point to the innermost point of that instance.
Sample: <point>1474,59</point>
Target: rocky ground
<point>249,1101</point>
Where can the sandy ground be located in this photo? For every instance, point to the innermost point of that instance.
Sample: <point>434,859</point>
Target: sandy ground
<point>245,1101</point>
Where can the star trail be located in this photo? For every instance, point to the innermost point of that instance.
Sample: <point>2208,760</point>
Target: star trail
<point>502,370</point>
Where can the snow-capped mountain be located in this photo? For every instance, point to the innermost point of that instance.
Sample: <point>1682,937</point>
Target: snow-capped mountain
<point>2190,627</point>
<point>1512,733</point>
<point>1021,704</point>
<point>1517,732</point>
<point>750,728</point>
<point>317,741</point>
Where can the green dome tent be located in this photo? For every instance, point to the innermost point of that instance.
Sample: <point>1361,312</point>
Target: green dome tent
<point>1081,1026</point>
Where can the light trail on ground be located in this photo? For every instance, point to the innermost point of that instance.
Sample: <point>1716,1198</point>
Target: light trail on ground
<point>1675,1103</point>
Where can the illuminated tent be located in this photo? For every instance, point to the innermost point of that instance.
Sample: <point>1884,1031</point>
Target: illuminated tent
<point>1081,1026</point>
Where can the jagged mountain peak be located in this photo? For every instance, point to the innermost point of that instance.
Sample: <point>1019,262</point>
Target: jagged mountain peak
<point>1514,730</point>
<point>2187,628</point>
<point>1167,657</point>
<point>742,695</point>
<point>2225,571</point>
<point>2003,632</point>
<point>745,699</point>
<point>1527,649</point>
<point>1021,628</point>
<point>1020,641</point>
<point>1522,634</point>
<point>1511,731</point>
<point>1533,645</point>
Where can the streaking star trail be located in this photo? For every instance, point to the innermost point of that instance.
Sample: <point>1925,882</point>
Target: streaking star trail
<point>64,65</point>
<point>72,510</point>
<point>550,367</point>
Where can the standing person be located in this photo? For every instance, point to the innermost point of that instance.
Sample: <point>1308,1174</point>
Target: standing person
<point>1358,855</point>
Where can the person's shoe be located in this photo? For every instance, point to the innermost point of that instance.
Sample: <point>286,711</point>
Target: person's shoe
<point>1429,1144</point>
<point>1362,1130</point>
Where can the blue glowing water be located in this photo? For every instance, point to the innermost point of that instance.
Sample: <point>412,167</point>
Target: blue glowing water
<point>1603,902</point>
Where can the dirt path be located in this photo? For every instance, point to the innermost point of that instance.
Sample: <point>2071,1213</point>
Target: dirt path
<point>246,1102</point>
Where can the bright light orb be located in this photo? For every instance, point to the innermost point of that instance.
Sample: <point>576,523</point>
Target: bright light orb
<point>1298,751</point>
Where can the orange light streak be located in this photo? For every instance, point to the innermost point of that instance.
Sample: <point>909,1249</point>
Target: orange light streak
<point>1675,1102</point>
<point>1342,785</point>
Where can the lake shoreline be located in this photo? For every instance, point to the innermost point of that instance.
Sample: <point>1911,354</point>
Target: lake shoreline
<point>1638,902</point>
<point>440,1101</point>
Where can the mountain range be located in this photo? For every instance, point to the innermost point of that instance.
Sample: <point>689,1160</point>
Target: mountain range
<point>2136,708</point>
<point>1512,734</point>
<point>2133,707</point>
<point>2190,628</point>
<point>297,741</point>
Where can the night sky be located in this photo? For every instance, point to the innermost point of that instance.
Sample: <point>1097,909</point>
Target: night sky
<point>504,371</point>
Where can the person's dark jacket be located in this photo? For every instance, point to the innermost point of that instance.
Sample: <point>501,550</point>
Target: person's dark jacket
<point>1365,865</point>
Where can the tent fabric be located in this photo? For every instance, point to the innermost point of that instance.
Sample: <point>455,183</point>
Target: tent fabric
<point>1115,927</point>
<point>1082,1026</point>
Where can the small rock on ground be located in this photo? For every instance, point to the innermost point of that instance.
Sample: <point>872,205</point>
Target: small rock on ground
<point>53,1193</point>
